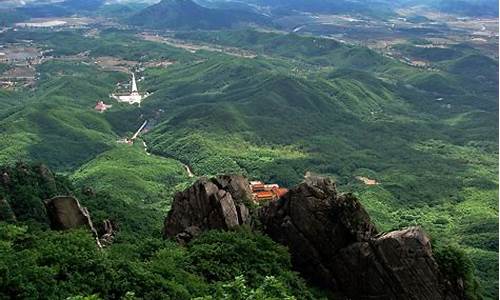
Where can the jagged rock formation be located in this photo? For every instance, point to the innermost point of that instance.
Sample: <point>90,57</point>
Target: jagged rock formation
<point>316,224</point>
<point>396,265</point>
<point>216,203</point>
<point>107,232</point>
<point>330,236</point>
<point>334,243</point>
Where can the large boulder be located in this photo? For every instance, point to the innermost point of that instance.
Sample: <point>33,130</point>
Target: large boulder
<point>217,203</point>
<point>333,242</point>
<point>65,212</point>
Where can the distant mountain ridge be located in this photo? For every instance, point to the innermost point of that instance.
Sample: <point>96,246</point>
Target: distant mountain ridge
<point>59,9</point>
<point>373,8</point>
<point>186,14</point>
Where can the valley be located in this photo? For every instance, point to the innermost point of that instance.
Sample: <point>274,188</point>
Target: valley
<point>399,110</point>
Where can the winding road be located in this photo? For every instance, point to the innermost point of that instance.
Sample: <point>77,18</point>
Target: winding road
<point>186,167</point>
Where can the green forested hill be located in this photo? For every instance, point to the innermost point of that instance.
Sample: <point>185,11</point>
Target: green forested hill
<point>315,51</point>
<point>188,15</point>
<point>303,104</point>
<point>126,173</point>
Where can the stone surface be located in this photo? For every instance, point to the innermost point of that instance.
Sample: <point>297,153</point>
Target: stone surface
<point>397,265</point>
<point>65,212</point>
<point>330,236</point>
<point>107,232</point>
<point>334,243</point>
<point>208,204</point>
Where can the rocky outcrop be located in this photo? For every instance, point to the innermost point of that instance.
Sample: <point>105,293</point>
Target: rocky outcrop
<point>316,223</point>
<point>217,203</point>
<point>27,192</point>
<point>396,265</point>
<point>107,232</point>
<point>65,212</point>
<point>333,243</point>
<point>331,239</point>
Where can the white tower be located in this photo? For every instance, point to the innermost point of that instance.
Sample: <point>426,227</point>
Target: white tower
<point>134,84</point>
<point>133,97</point>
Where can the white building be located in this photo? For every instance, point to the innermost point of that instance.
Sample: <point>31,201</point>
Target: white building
<point>133,97</point>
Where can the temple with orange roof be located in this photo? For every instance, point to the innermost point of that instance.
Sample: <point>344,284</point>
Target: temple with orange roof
<point>266,192</point>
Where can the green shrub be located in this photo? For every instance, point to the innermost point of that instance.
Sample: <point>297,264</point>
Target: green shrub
<point>221,256</point>
<point>455,263</point>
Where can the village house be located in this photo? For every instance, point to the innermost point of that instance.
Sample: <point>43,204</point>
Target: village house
<point>101,107</point>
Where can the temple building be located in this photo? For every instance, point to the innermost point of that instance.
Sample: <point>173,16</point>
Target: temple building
<point>133,97</point>
<point>266,192</point>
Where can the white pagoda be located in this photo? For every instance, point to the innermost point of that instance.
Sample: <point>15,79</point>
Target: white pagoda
<point>133,97</point>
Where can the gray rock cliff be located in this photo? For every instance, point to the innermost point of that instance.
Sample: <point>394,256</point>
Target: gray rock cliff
<point>331,239</point>
<point>216,203</point>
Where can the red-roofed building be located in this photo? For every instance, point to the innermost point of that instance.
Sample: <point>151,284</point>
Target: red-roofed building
<point>280,192</point>
<point>100,106</point>
<point>266,192</point>
<point>258,187</point>
<point>265,196</point>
